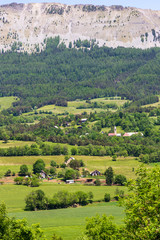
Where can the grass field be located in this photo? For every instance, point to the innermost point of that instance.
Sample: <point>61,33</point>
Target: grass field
<point>70,223</point>
<point>72,106</point>
<point>121,166</point>
<point>6,102</point>
<point>13,143</point>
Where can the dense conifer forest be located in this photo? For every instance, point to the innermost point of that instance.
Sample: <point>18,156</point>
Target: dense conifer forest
<point>78,72</point>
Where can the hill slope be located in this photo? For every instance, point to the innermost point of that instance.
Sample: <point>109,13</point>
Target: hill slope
<point>29,24</point>
<point>59,74</point>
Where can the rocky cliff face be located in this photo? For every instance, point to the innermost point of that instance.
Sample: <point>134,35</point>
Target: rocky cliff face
<point>25,26</point>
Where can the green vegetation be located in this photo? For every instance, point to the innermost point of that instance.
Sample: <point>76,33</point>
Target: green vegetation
<point>10,228</point>
<point>77,74</point>
<point>79,106</point>
<point>141,208</point>
<point>69,110</point>
<point>6,102</point>
<point>69,223</point>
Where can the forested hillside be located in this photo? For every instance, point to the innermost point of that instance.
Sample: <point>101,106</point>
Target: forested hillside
<point>59,73</point>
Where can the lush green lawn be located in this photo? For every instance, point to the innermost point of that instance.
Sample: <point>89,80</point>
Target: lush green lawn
<point>6,102</point>
<point>70,223</point>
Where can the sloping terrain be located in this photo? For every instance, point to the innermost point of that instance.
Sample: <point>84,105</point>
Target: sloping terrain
<point>27,25</point>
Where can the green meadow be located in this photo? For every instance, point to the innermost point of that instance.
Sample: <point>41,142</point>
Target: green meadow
<point>6,102</point>
<point>125,166</point>
<point>72,106</point>
<point>70,223</point>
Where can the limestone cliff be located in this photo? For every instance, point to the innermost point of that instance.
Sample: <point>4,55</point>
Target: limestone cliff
<point>27,25</point>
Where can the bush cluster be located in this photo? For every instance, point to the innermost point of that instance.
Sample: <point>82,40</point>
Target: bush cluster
<point>37,200</point>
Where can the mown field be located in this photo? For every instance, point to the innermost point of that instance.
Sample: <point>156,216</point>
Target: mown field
<point>70,223</point>
<point>6,102</point>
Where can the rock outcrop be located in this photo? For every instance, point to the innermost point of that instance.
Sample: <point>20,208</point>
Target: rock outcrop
<point>25,26</point>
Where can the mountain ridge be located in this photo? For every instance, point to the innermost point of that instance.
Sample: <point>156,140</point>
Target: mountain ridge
<point>28,25</point>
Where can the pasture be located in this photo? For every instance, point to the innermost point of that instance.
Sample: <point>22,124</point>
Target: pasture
<point>73,105</point>
<point>126,166</point>
<point>68,223</point>
<point>6,102</point>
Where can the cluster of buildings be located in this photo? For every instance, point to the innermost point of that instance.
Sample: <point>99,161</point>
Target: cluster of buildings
<point>127,134</point>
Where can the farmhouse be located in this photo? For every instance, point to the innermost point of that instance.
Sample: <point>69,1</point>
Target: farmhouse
<point>69,160</point>
<point>95,173</point>
<point>42,174</point>
<point>70,181</point>
<point>83,120</point>
<point>129,134</point>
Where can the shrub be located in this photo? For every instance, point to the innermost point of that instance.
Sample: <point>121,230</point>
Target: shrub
<point>71,174</point>
<point>82,197</point>
<point>53,163</point>
<point>23,170</point>
<point>114,157</point>
<point>63,165</point>
<point>107,197</point>
<point>38,166</point>
<point>27,181</point>
<point>36,200</point>
<point>35,182</point>
<point>52,171</point>
<point>118,194</point>
<point>18,180</point>
<point>55,237</point>
<point>8,173</point>
<point>120,179</point>
<point>97,182</point>
<point>61,174</point>
<point>90,197</point>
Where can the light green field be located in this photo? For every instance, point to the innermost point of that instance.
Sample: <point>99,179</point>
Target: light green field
<point>14,195</point>
<point>13,143</point>
<point>121,166</point>
<point>72,105</point>
<point>6,102</point>
<point>70,223</point>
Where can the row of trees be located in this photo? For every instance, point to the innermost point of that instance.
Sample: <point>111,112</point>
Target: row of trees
<point>37,200</point>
